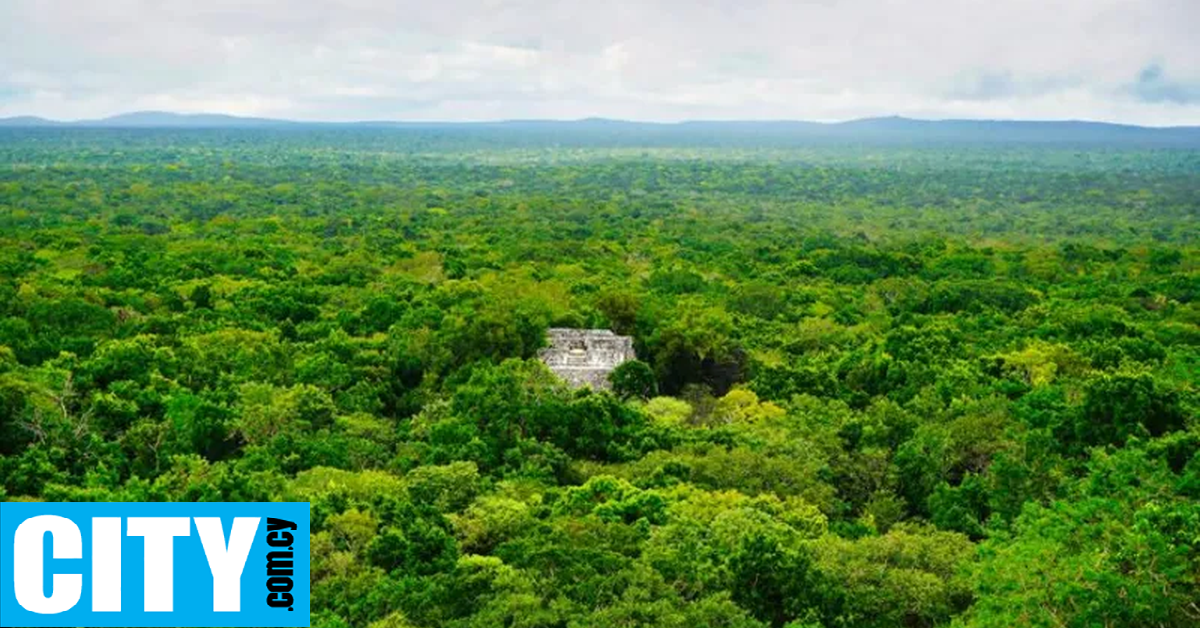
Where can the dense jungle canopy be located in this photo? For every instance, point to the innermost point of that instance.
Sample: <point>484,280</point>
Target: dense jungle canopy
<point>880,384</point>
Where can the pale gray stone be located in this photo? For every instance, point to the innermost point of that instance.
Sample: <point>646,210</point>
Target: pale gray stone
<point>585,357</point>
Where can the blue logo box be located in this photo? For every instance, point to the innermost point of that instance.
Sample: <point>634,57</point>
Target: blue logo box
<point>154,564</point>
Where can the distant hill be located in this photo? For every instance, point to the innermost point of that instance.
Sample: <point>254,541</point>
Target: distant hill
<point>182,120</point>
<point>28,121</point>
<point>152,119</point>
<point>700,132</point>
<point>1019,130</point>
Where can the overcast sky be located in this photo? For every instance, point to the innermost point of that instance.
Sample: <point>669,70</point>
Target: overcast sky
<point>1135,61</point>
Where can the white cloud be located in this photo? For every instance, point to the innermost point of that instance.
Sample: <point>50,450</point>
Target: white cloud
<point>1124,60</point>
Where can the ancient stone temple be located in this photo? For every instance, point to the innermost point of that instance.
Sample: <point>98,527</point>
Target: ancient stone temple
<point>585,357</point>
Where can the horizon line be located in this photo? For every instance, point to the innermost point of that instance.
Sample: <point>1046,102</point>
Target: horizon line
<point>367,121</point>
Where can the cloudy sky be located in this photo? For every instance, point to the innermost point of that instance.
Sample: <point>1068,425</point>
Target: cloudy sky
<point>1135,61</point>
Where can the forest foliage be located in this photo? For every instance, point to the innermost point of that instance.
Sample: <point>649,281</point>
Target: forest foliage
<point>878,385</point>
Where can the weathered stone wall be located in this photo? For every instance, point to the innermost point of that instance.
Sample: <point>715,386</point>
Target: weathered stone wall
<point>585,357</point>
